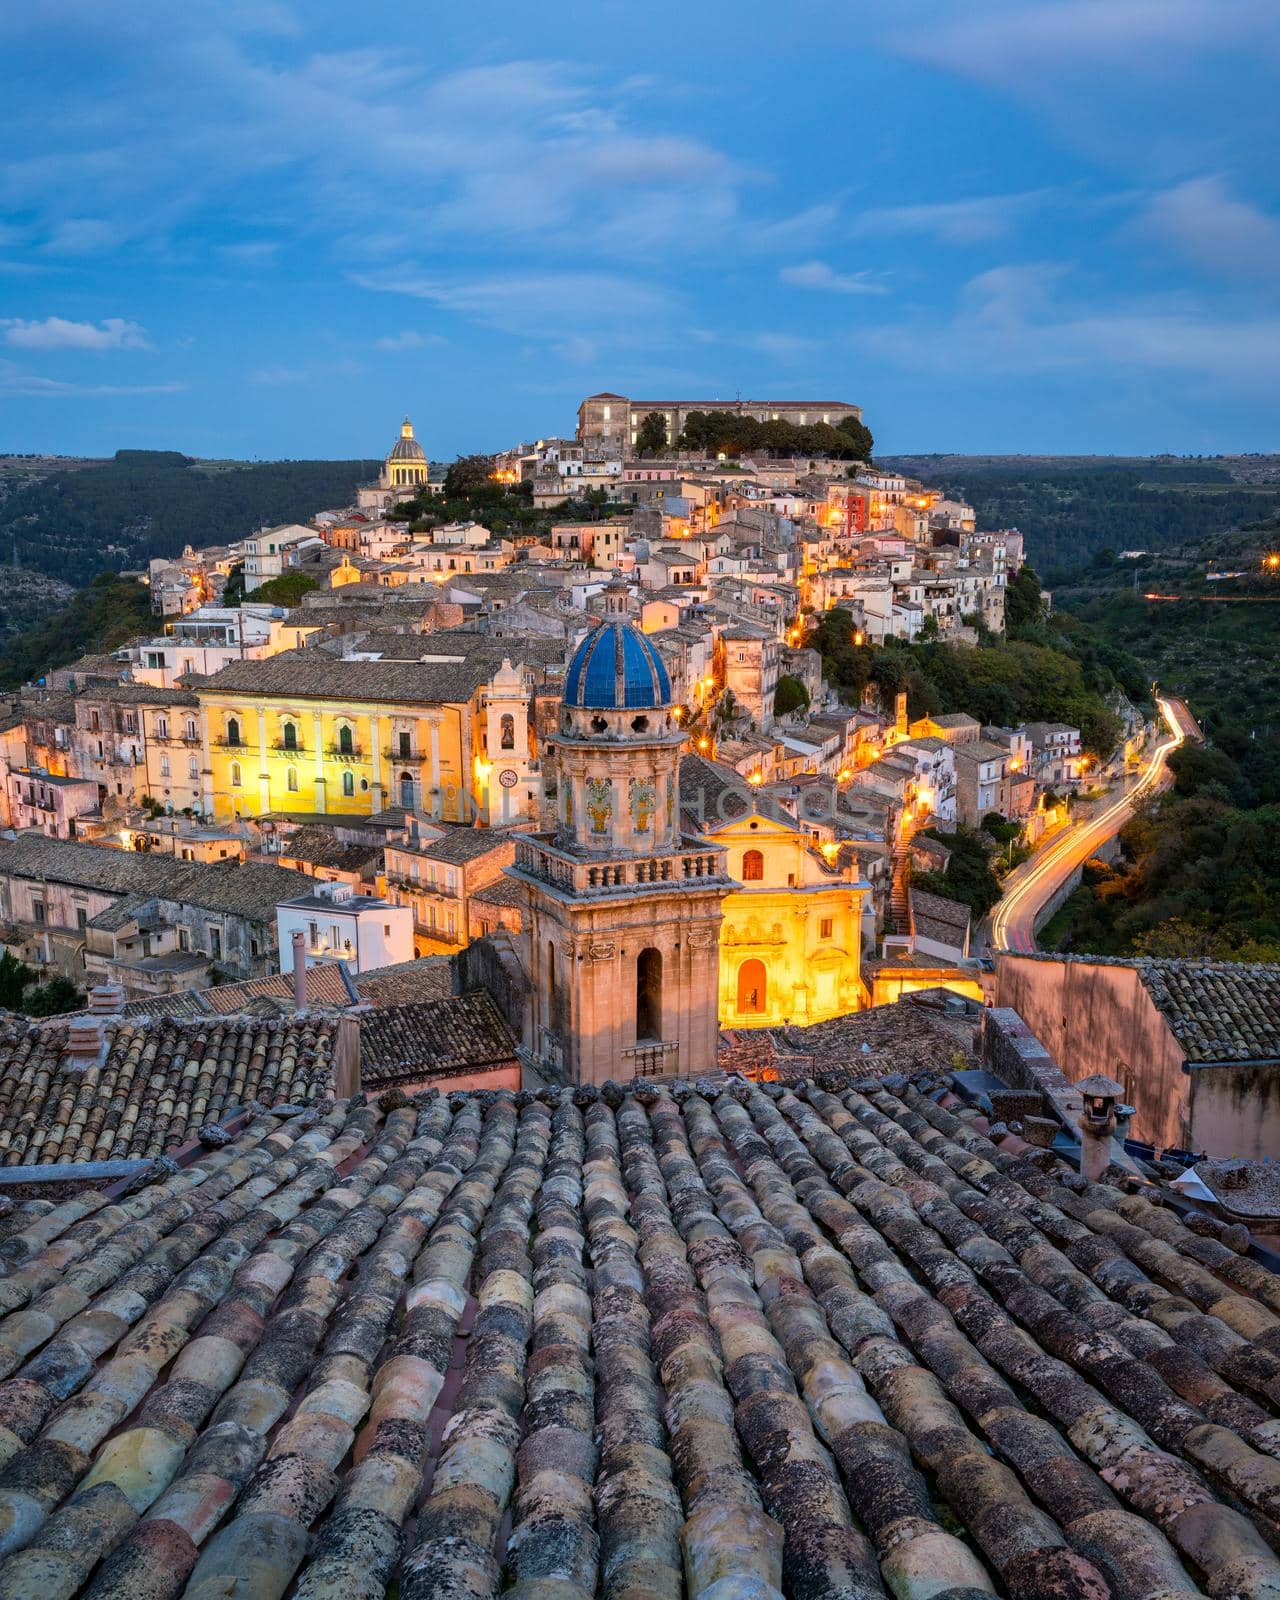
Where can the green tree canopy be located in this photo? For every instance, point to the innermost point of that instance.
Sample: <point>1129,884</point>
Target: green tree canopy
<point>790,695</point>
<point>652,438</point>
<point>286,590</point>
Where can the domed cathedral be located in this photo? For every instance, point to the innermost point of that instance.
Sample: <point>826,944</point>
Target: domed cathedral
<point>622,908</point>
<point>406,466</point>
<point>404,472</point>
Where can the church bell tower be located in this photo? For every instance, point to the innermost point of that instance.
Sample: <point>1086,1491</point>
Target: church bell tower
<point>622,912</point>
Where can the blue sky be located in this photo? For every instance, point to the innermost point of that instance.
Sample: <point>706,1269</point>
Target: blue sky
<point>250,228</point>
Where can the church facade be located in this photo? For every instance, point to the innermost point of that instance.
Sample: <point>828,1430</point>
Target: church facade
<point>621,923</point>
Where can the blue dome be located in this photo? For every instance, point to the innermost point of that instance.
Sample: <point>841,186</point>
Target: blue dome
<point>615,668</point>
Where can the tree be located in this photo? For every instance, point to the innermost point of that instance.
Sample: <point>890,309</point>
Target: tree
<point>286,590</point>
<point>651,440</point>
<point>466,475</point>
<point>1023,601</point>
<point>233,589</point>
<point>15,975</point>
<point>53,998</point>
<point>929,628</point>
<point>790,695</point>
<point>863,443</point>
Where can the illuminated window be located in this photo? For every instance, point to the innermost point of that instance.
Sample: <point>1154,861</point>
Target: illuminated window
<point>291,778</point>
<point>235,774</point>
<point>752,988</point>
<point>752,866</point>
<point>826,927</point>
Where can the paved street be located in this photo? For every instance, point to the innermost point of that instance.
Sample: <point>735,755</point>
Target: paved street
<point>1012,923</point>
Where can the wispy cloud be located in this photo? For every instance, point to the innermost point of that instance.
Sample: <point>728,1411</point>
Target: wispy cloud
<point>527,302</point>
<point>1216,230</point>
<point>1031,321</point>
<point>17,384</point>
<point>976,220</point>
<point>58,333</point>
<point>818,275</point>
<point>410,339</point>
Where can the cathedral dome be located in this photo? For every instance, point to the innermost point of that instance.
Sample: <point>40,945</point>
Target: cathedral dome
<point>406,447</point>
<point>615,668</point>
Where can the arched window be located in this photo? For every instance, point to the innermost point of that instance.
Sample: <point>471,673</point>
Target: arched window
<point>507,738</point>
<point>191,728</point>
<point>649,995</point>
<point>406,790</point>
<point>348,783</point>
<point>752,988</point>
<point>291,778</point>
<point>290,735</point>
<point>346,745</point>
<point>235,774</point>
<point>233,730</point>
<point>752,866</point>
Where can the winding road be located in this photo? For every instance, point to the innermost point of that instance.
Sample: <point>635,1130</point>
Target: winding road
<point>1033,884</point>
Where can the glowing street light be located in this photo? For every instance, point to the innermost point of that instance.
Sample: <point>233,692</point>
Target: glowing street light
<point>755,780</point>
<point>859,638</point>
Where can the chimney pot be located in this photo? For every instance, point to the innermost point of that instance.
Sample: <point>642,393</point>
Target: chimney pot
<point>299,970</point>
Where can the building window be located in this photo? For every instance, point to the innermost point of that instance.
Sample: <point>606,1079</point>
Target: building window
<point>233,730</point>
<point>507,738</point>
<point>346,744</point>
<point>406,790</point>
<point>82,918</point>
<point>184,939</point>
<point>348,783</point>
<point>752,988</point>
<point>291,779</point>
<point>649,995</point>
<point>752,866</point>
<point>289,733</point>
<point>826,927</point>
<point>164,766</point>
<point>405,750</point>
<point>215,943</point>
<point>191,728</point>
<point>235,774</point>
<point>162,727</point>
<point>193,767</point>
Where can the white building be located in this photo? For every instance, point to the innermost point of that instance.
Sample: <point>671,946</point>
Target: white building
<point>207,640</point>
<point>271,550</point>
<point>337,924</point>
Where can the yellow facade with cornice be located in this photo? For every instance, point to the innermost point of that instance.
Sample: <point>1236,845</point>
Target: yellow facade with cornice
<point>791,935</point>
<point>265,753</point>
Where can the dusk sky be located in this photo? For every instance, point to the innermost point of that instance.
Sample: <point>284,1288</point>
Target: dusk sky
<point>243,228</point>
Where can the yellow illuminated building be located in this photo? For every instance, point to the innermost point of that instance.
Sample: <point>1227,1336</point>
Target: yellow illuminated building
<point>306,732</point>
<point>791,938</point>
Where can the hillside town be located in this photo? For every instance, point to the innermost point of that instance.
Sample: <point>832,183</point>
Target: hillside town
<point>574,800</point>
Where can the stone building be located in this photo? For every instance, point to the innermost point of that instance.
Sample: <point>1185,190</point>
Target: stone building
<point>622,917</point>
<point>404,473</point>
<point>613,419</point>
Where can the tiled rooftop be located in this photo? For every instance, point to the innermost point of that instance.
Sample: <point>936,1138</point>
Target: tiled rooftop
<point>1217,1010</point>
<point>765,1343</point>
<point>157,1083</point>
<point>459,1033</point>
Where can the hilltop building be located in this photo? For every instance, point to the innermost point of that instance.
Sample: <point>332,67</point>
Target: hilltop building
<point>613,419</point>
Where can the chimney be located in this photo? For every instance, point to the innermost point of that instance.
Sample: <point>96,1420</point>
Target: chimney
<point>106,1000</point>
<point>1100,1096</point>
<point>299,970</point>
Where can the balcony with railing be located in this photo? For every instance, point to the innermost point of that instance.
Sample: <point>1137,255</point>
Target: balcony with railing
<point>352,753</point>
<point>407,757</point>
<point>653,1058</point>
<point>579,875</point>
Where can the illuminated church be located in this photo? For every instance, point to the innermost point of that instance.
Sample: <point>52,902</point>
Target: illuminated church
<point>621,924</point>
<point>404,472</point>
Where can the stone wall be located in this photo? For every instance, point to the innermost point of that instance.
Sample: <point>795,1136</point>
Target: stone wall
<point>1015,1055</point>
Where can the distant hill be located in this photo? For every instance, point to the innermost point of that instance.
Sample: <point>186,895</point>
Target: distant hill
<point>1072,507</point>
<point>72,518</point>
